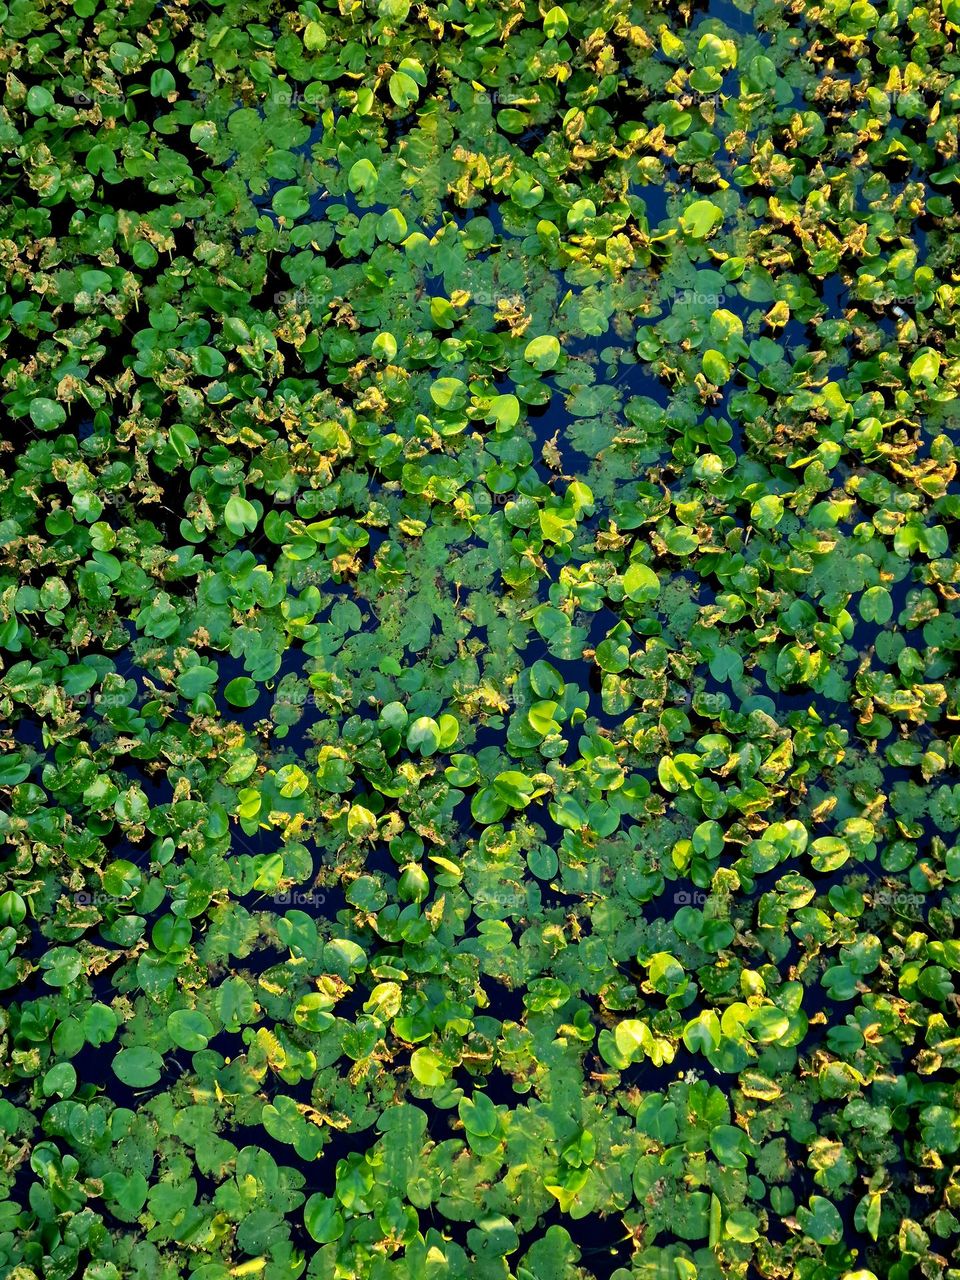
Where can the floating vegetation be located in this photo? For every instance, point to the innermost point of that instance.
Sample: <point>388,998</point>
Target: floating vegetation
<point>479,640</point>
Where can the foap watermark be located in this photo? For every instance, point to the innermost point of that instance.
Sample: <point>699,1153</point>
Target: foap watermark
<point>488,298</point>
<point>694,298</point>
<point>690,897</point>
<point>90,98</point>
<point>91,898</point>
<point>504,499</point>
<point>298,898</point>
<point>690,297</point>
<point>91,698</point>
<point>285,96</point>
<point>299,299</point>
<point>896,898</point>
<point>298,697</point>
<point>501,97</point>
<point>501,899</point>
<point>280,95</point>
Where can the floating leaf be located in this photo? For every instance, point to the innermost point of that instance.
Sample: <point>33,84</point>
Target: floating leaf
<point>543,352</point>
<point>241,692</point>
<point>699,218</point>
